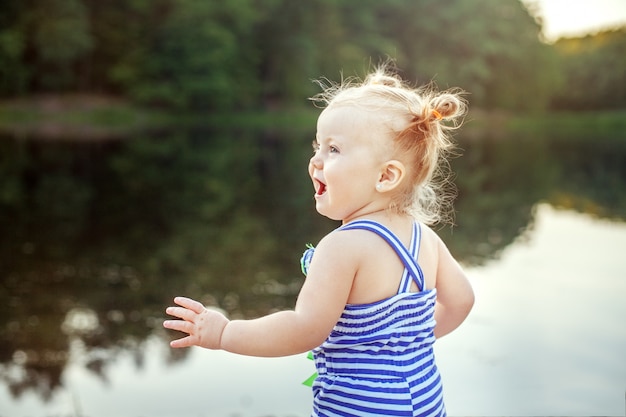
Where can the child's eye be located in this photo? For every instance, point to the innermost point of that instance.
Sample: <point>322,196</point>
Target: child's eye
<point>327,148</point>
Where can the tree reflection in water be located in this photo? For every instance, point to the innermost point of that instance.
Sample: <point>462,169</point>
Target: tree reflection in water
<point>98,237</point>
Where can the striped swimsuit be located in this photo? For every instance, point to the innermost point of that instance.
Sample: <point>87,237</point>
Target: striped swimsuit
<point>378,360</point>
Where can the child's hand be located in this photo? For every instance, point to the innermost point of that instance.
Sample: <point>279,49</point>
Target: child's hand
<point>204,326</point>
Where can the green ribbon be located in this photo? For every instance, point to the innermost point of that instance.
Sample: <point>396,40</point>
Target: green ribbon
<point>309,381</point>
<point>306,258</point>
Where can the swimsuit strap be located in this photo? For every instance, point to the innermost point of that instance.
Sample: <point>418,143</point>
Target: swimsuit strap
<point>414,249</point>
<point>409,261</point>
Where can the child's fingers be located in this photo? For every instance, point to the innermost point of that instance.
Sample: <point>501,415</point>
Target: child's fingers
<point>190,304</point>
<point>181,343</point>
<point>179,325</point>
<point>181,313</point>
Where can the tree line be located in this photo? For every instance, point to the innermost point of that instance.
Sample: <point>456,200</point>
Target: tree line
<point>250,54</point>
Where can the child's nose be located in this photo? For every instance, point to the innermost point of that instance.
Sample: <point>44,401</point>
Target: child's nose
<point>315,162</point>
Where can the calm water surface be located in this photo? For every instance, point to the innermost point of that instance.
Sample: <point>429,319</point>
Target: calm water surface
<point>98,238</point>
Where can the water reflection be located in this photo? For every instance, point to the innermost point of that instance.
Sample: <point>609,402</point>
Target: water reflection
<point>501,179</point>
<point>546,336</point>
<point>98,237</point>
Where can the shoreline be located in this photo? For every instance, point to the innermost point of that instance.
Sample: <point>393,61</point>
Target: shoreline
<point>92,117</point>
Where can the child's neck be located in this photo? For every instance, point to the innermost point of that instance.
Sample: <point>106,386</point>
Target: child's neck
<point>385,216</point>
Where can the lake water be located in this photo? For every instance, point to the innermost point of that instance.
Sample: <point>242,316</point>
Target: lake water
<point>97,238</point>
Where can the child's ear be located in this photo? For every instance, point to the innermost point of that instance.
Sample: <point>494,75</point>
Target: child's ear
<point>391,176</point>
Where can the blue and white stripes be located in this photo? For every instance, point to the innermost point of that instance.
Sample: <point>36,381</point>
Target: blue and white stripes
<point>379,360</point>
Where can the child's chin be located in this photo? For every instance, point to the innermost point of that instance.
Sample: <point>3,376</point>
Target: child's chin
<point>327,214</point>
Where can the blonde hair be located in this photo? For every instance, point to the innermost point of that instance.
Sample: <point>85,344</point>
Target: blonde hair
<point>420,121</point>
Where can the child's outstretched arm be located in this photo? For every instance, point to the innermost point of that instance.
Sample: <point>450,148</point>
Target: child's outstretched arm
<point>320,304</point>
<point>455,296</point>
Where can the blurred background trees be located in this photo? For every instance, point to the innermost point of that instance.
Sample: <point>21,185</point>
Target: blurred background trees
<point>252,54</point>
<point>594,69</point>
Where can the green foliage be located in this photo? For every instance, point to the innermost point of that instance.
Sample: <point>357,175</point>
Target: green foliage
<point>469,44</point>
<point>594,69</point>
<point>249,54</point>
<point>14,72</point>
<point>60,33</point>
<point>199,57</point>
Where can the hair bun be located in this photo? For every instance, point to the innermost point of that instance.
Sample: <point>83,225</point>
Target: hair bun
<point>383,79</point>
<point>447,105</point>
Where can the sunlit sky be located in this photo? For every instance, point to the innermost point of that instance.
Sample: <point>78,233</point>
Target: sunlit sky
<point>579,17</point>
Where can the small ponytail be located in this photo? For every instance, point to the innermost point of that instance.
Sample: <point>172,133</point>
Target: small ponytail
<point>380,77</point>
<point>447,105</point>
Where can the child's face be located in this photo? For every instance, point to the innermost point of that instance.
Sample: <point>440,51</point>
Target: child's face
<point>347,163</point>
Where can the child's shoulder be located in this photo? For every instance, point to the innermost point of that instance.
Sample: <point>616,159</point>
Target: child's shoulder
<point>341,252</point>
<point>349,245</point>
<point>434,247</point>
<point>430,236</point>
<point>345,239</point>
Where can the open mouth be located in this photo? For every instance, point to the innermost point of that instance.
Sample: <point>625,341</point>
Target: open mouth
<point>320,187</point>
